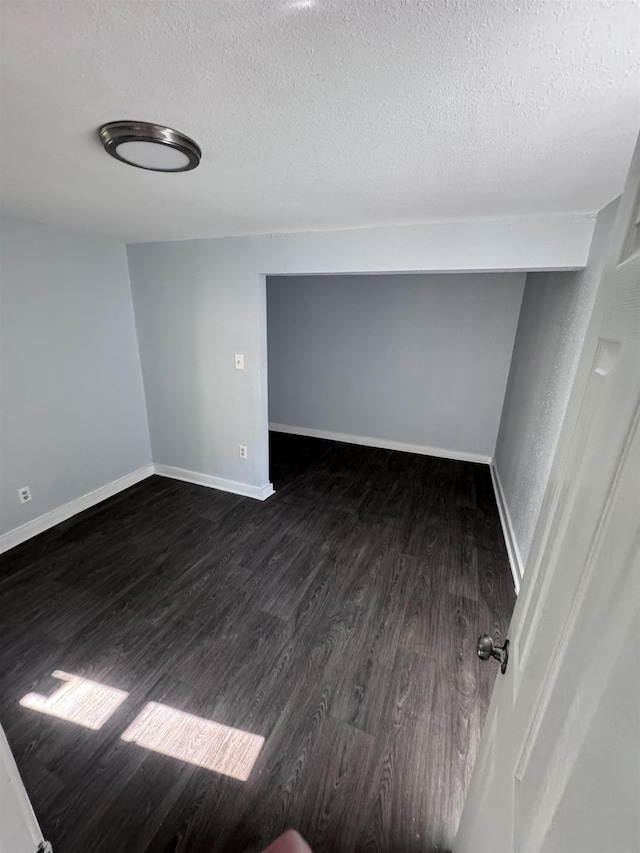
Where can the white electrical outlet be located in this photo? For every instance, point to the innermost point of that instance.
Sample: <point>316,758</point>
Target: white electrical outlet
<point>243,451</point>
<point>24,494</point>
<point>239,361</point>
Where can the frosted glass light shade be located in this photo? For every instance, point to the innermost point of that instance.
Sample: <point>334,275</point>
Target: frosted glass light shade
<point>153,155</point>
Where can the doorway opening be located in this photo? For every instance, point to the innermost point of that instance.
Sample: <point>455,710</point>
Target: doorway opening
<point>410,362</point>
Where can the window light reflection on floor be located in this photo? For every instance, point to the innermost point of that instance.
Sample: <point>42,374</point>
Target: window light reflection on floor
<point>195,740</point>
<point>78,700</point>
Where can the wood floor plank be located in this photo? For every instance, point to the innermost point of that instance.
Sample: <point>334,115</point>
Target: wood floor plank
<point>373,645</point>
<point>393,798</point>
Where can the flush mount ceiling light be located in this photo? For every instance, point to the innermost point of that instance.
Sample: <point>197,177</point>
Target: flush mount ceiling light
<point>150,146</point>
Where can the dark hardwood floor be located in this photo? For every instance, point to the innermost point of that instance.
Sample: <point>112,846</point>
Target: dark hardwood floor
<point>338,619</point>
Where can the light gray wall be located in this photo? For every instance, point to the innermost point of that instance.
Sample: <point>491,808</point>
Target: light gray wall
<point>73,415</point>
<point>420,359</point>
<point>198,302</point>
<point>553,321</point>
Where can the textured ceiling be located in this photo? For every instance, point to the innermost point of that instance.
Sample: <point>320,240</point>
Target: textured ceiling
<point>316,114</point>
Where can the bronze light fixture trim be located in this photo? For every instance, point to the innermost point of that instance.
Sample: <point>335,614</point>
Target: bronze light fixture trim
<point>150,146</point>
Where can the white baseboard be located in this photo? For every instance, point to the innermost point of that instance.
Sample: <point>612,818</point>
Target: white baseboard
<point>384,444</point>
<point>62,513</point>
<point>260,493</point>
<point>515,560</point>
<point>32,528</point>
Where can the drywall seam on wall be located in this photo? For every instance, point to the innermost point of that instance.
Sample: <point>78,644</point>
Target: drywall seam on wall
<point>510,540</point>
<point>50,519</point>
<point>368,441</point>
<point>260,493</point>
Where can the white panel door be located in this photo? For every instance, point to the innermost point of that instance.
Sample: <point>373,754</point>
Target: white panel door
<point>19,830</point>
<point>559,764</point>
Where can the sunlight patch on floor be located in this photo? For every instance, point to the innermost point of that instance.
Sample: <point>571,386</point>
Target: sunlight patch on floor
<point>78,700</point>
<point>195,740</point>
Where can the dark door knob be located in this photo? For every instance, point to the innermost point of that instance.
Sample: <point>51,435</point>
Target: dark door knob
<point>487,649</point>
